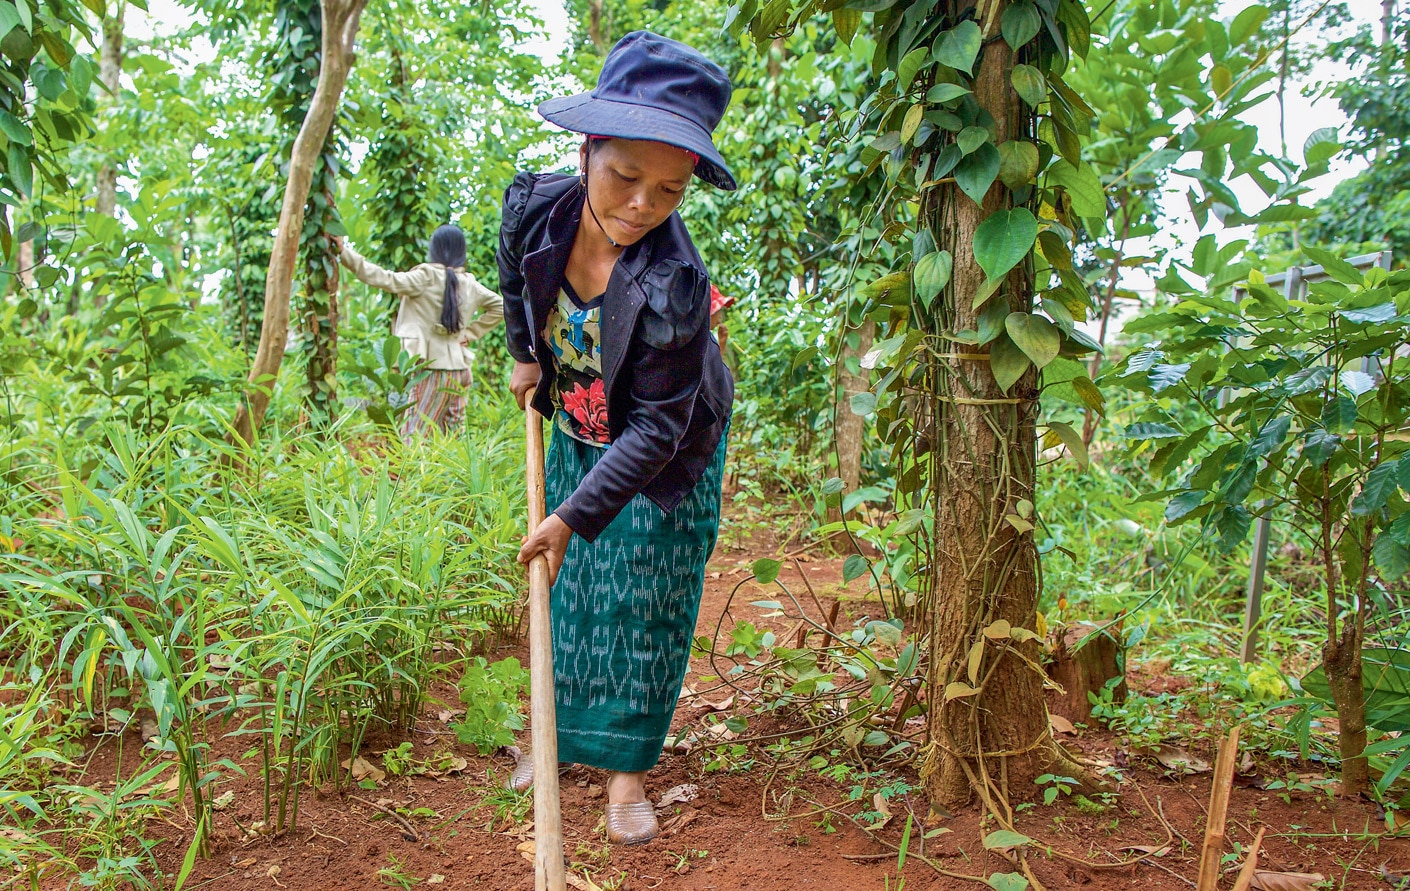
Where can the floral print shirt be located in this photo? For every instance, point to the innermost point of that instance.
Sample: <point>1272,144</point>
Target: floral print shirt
<point>573,333</point>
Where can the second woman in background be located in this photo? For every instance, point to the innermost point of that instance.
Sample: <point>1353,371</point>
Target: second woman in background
<point>438,300</point>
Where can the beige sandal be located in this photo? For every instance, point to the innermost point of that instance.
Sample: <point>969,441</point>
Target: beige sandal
<point>631,823</point>
<point>522,779</point>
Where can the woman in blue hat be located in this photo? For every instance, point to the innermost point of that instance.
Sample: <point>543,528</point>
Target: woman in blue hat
<point>607,307</point>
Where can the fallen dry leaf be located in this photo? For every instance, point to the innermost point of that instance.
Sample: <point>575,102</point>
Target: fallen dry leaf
<point>682,793</point>
<point>1150,850</point>
<point>1179,760</point>
<point>526,850</point>
<point>1059,724</point>
<point>582,883</point>
<point>879,804</point>
<point>435,879</point>
<point>223,800</point>
<point>362,769</point>
<point>594,790</point>
<point>722,731</point>
<point>718,706</point>
<point>1267,880</point>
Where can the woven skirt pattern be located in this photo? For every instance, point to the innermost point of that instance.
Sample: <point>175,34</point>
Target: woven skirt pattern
<point>624,610</point>
<point>437,400</point>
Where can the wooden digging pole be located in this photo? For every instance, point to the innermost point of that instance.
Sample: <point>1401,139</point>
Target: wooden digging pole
<point>548,821</point>
<point>1218,811</point>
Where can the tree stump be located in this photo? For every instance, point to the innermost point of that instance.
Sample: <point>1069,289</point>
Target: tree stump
<point>1084,660</point>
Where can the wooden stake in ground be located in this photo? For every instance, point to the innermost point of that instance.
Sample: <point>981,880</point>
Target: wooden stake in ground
<point>1245,880</point>
<point>548,821</point>
<point>1218,810</point>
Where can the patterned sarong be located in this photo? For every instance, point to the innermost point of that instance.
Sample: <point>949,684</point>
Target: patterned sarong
<point>439,399</point>
<point>624,610</point>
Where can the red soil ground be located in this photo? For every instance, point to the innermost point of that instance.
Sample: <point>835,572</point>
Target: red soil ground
<point>723,840</point>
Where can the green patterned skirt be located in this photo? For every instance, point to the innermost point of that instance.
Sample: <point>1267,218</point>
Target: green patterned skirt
<point>624,610</point>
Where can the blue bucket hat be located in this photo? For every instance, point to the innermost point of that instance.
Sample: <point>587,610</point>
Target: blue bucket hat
<point>656,89</point>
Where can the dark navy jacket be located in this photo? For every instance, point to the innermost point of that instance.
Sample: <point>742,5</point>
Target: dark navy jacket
<point>668,392</point>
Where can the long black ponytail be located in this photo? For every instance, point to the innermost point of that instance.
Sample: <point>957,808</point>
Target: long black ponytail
<point>448,249</point>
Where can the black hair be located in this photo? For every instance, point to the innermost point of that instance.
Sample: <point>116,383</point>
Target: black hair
<point>448,249</point>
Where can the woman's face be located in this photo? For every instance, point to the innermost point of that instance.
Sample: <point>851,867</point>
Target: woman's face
<point>634,185</point>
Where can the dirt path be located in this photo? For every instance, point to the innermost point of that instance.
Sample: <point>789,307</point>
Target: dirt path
<point>722,838</point>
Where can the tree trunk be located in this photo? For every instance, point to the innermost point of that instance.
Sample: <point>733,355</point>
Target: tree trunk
<point>599,40</point>
<point>1341,659</point>
<point>850,426</point>
<point>340,23</point>
<point>110,73</point>
<point>982,456</point>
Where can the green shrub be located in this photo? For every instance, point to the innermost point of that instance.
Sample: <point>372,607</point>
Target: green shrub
<point>491,696</point>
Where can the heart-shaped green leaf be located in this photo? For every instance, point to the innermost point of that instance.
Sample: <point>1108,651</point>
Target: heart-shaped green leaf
<point>977,172</point>
<point>971,138</point>
<point>1018,162</point>
<point>958,47</point>
<point>1004,239</point>
<point>1030,84</point>
<point>942,93</point>
<point>1082,186</point>
<point>1039,338</point>
<point>946,160</point>
<point>906,71</point>
<point>931,275</point>
<point>1020,24</point>
<point>1007,361</point>
<point>991,321</point>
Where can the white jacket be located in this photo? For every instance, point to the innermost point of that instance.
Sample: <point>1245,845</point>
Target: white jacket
<point>422,290</point>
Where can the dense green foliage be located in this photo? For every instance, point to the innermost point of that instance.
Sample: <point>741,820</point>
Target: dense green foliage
<point>302,595</point>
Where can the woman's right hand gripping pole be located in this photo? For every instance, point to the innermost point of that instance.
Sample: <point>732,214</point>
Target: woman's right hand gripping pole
<point>523,381</point>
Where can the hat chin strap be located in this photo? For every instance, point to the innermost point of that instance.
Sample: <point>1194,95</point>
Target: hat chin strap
<point>587,198</point>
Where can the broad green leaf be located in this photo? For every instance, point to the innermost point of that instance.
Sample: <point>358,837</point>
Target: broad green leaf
<point>1039,338</point>
<point>1221,80</point>
<point>942,93</point>
<point>1246,24</point>
<point>991,321</point>
<point>1183,504</point>
<point>1339,415</point>
<point>914,115</point>
<point>833,485</point>
<point>1392,557</point>
<point>958,690</point>
<point>1147,430</point>
<point>1030,84</point>
<point>853,567</point>
<point>1230,524</point>
<point>1321,146</point>
<point>1306,380</point>
<point>931,275</point>
<point>1320,446</point>
<point>1020,24</point>
<point>1003,240</point>
<point>977,171</point>
<point>906,71</point>
<point>1332,265</point>
<point>1090,394</point>
<point>766,569</point>
<point>958,47</point>
<point>971,138</point>
<point>1271,436</point>
<point>1082,186</point>
<point>1073,440</point>
<point>1005,838</point>
<point>1380,484</point>
<point>1007,361</point>
<point>1007,881</point>
<point>9,18</point>
<point>846,22</point>
<point>1357,382</point>
<point>1018,163</point>
<point>1163,377</point>
<point>861,496</point>
<point>1385,679</point>
<point>862,404</point>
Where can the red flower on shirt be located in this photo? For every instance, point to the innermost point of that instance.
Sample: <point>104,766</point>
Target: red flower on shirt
<point>588,406</point>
